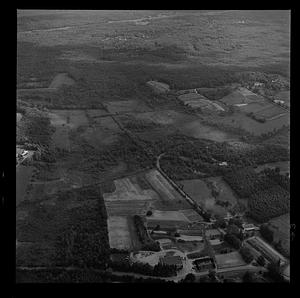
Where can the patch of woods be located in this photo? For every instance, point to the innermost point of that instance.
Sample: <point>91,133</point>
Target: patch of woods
<point>60,275</point>
<point>159,269</point>
<point>76,236</point>
<point>187,158</point>
<point>84,241</point>
<point>268,234</point>
<point>139,125</point>
<point>145,239</point>
<point>267,192</point>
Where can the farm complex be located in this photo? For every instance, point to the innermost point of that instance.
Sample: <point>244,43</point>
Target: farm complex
<point>152,147</point>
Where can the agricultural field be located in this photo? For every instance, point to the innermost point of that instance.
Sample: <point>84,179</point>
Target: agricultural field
<point>225,193</point>
<point>201,131</point>
<point>167,215</point>
<point>241,121</point>
<point>71,118</point>
<point>61,138</point>
<point>198,190</point>
<point>158,87</point>
<point>195,100</point>
<point>119,233</point>
<point>241,96</point>
<point>23,176</point>
<point>60,80</point>
<point>125,106</point>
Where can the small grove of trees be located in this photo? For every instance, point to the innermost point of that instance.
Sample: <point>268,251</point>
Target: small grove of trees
<point>147,242</point>
<point>149,213</point>
<point>274,272</point>
<point>248,277</point>
<point>190,277</point>
<point>144,268</point>
<point>246,254</point>
<point>233,240</point>
<point>267,233</point>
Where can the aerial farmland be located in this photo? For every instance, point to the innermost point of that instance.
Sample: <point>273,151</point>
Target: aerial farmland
<point>152,145</point>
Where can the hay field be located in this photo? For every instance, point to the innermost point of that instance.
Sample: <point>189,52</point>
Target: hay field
<point>198,130</point>
<point>240,120</point>
<point>271,111</point>
<point>169,198</point>
<point>163,117</point>
<point>167,216</point>
<point>192,215</point>
<point>198,190</point>
<point>23,175</point>
<point>195,100</point>
<point>128,191</point>
<point>60,138</point>
<point>60,80</point>
<point>158,86</point>
<point>103,131</point>
<point>281,227</point>
<point>72,118</point>
<point>95,113</point>
<point>118,232</point>
<point>123,106</point>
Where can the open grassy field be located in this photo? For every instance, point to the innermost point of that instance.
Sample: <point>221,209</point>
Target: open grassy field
<point>232,259</point>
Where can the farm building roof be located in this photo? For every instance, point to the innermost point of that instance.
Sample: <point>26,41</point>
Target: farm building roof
<point>212,232</point>
<point>248,227</point>
<point>171,260</point>
<point>19,150</point>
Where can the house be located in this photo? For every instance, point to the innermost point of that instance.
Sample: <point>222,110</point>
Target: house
<point>172,260</point>
<point>278,101</point>
<point>204,264</point>
<point>249,230</point>
<point>213,234</point>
